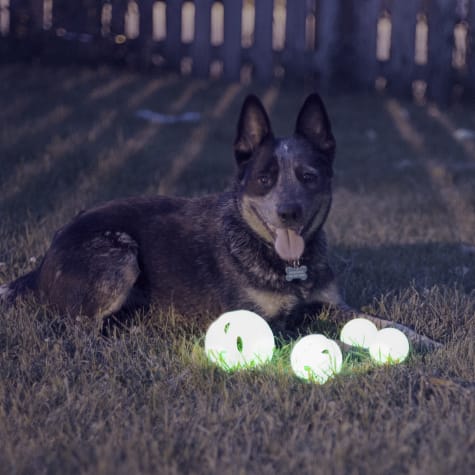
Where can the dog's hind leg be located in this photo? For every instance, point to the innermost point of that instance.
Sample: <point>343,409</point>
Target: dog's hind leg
<point>93,277</point>
<point>18,288</point>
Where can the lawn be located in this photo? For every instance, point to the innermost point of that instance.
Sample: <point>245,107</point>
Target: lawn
<point>402,240</point>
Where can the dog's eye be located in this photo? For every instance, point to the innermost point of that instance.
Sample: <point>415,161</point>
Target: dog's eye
<point>264,180</point>
<point>309,177</point>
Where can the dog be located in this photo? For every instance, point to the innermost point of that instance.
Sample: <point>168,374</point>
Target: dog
<point>259,246</point>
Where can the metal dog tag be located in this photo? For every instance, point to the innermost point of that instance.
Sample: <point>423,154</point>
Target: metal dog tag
<point>292,273</point>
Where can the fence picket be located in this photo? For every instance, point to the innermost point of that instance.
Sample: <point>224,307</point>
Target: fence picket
<point>295,37</point>
<point>201,49</point>
<point>146,18</point>
<point>173,49</point>
<point>146,26</point>
<point>19,18</point>
<point>441,18</point>
<point>36,15</point>
<point>232,39</point>
<point>67,17</point>
<point>363,63</point>
<point>327,41</point>
<point>400,68</point>
<point>263,53</point>
<point>470,82</point>
<point>117,26</point>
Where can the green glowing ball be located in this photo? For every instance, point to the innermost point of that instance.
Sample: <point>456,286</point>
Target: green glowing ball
<point>359,332</point>
<point>389,346</point>
<point>316,358</point>
<point>239,339</point>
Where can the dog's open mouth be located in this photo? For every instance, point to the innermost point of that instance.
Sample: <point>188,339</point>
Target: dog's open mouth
<point>288,243</point>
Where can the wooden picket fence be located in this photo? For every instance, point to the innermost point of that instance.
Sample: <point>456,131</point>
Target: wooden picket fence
<point>424,48</point>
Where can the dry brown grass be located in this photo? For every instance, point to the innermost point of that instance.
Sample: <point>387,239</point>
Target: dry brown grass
<point>147,401</point>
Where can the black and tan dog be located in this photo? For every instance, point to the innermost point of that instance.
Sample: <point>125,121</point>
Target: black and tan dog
<point>259,246</point>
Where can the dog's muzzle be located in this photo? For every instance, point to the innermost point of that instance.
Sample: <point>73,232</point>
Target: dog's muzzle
<point>288,243</point>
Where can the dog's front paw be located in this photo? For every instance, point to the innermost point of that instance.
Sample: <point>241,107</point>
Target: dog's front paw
<point>426,344</point>
<point>419,342</point>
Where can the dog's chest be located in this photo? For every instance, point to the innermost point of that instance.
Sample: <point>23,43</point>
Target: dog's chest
<point>278,299</point>
<point>270,304</point>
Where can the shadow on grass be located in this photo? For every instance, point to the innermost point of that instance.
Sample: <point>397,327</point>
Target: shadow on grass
<point>31,132</point>
<point>129,157</point>
<point>368,272</point>
<point>85,164</point>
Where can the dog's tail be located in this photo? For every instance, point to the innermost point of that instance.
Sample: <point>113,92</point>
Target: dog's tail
<point>18,288</point>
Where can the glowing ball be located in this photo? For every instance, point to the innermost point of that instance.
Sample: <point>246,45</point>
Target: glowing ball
<point>359,332</point>
<point>389,346</point>
<point>239,339</point>
<point>316,358</point>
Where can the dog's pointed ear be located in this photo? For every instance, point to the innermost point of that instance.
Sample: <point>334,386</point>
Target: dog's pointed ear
<point>314,125</point>
<point>253,127</point>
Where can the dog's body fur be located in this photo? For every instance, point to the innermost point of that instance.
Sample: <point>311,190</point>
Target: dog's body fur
<point>207,255</point>
<point>194,254</point>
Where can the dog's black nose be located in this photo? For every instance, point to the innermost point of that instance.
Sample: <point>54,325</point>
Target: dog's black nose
<point>289,213</point>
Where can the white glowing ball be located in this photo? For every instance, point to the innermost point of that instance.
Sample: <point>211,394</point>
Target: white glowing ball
<point>316,358</point>
<point>239,339</point>
<point>389,346</point>
<point>359,332</point>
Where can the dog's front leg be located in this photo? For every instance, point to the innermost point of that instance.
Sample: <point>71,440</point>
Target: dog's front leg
<point>329,296</point>
<point>418,341</point>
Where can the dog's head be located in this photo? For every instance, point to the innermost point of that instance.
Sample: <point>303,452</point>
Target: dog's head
<point>285,183</point>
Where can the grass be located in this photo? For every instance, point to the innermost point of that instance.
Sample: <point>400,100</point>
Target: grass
<point>401,232</point>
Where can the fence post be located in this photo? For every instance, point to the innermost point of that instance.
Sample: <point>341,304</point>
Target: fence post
<point>145,31</point>
<point>36,8</point>
<point>328,35</point>
<point>232,39</point>
<point>35,27</point>
<point>471,51</point>
<point>263,52</point>
<point>173,47</point>
<point>400,68</point>
<point>295,36</point>
<point>201,49</point>
<point>119,7</point>
<point>441,20</point>
<point>364,65</point>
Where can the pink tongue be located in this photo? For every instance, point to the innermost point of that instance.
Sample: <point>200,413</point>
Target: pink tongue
<point>288,244</point>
